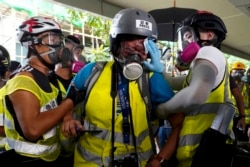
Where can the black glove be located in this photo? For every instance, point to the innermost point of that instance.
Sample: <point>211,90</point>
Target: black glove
<point>75,95</point>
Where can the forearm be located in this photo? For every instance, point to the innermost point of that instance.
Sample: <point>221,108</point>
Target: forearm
<point>170,147</point>
<point>2,133</point>
<point>240,106</point>
<point>176,121</point>
<point>201,84</point>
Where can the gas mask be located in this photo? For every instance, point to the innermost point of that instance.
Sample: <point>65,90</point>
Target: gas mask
<point>131,56</point>
<point>60,55</point>
<point>131,66</point>
<point>187,47</point>
<point>237,74</point>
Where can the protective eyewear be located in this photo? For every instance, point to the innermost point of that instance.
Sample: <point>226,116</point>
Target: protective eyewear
<point>52,39</point>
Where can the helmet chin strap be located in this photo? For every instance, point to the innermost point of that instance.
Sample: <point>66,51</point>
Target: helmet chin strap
<point>50,66</point>
<point>206,42</point>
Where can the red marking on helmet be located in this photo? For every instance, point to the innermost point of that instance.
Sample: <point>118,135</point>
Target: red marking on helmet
<point>204,12</point>
<point>30,23</point>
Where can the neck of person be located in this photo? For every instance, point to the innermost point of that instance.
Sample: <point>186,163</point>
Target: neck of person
<point>65,73</point>
<point>38,65</point>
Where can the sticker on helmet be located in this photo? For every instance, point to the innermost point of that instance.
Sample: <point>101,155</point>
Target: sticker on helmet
<point>144,24</point>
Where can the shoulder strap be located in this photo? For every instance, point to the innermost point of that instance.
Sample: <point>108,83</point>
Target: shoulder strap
<point>144,89</point>
<point>96,71</point>
<point>145,93</point>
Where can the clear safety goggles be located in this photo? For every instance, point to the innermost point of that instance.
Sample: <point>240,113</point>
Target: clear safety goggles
<point>186,35</point>
<point>52,39</point>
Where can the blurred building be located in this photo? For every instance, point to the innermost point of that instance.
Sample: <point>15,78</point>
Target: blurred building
<point>14,12</point>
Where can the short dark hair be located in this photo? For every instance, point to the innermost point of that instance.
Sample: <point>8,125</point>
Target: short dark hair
<point>72,38</point>
<point>14,65</point>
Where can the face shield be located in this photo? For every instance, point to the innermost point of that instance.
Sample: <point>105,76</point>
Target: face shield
<point>187,46</point>
<point>186,36</point>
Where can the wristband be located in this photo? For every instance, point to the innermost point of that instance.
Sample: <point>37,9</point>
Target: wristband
<point>162,161</point>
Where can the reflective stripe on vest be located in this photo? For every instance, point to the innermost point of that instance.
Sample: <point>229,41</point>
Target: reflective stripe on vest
<point>205,109</point>
<point>31,148</point>
<point>88,156</point>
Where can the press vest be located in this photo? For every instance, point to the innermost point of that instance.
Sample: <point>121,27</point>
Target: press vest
<point>94,150</point>
<point>200,119</point>
<point>46,148</point>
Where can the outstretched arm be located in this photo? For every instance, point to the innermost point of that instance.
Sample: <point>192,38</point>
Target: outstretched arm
<point>202,82</point>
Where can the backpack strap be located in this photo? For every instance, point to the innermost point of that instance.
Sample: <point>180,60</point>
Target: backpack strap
<point>89,83</point>
<point>144,89</point>
<point>96,71</point>
<point>145,93</point>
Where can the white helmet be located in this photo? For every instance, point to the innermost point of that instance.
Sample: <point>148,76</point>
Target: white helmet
<point>35,26</point>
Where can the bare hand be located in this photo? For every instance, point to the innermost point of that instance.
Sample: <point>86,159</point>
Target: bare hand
<point>153,163</point>
<point>70,127</point>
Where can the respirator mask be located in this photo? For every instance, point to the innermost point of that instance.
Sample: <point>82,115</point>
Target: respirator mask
<point>131,66</point>
<point>130,59</point>
<point>58,53</point>
<point>237,74</point>
<point>187,47</point>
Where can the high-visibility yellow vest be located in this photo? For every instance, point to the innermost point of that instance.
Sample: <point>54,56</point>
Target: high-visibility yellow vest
<point>200,120</point>
<point>94,149</point>
<point>46,148</point>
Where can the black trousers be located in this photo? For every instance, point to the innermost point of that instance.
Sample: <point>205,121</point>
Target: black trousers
<point>12,159</point>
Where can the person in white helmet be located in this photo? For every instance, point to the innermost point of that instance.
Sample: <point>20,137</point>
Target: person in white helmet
<point>32,113</point>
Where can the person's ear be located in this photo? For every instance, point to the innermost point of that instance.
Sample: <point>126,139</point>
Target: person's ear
<point>210,35</point>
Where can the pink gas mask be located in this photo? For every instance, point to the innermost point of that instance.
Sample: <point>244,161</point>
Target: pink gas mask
<point>187,47</point>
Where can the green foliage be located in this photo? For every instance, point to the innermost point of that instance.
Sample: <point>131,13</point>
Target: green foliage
<point>99,26</point>
<point>75,15</point>
<point>99,54</point>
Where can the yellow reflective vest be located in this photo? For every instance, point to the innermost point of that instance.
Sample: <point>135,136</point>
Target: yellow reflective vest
<point>94,149</point>
<point>200,119</point>
<point>46,148</point>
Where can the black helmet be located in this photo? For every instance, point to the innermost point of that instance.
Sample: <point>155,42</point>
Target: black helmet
<point>132,21</point>
<point>208,21</point>
<point>72,38</point>
<point>4,60</point>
